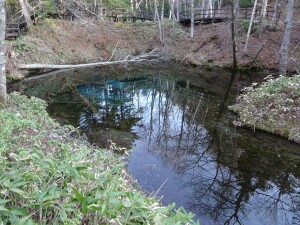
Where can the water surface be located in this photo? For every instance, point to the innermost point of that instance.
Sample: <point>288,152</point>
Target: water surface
<point>184,147</point>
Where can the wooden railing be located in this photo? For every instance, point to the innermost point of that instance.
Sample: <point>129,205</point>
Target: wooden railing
<point>123,15</point>
<point>226,14</point>
<point>12,30</point>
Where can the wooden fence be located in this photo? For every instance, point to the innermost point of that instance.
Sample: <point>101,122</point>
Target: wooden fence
<point>223,14</point>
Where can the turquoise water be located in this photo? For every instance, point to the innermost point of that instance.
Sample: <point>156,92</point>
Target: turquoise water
<point>185,149</point>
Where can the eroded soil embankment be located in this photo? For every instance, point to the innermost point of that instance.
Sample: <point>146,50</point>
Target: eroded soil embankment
<point>62,42</point>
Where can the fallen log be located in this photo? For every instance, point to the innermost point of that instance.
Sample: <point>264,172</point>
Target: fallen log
<point>85,100</point>
<point>147,57</point>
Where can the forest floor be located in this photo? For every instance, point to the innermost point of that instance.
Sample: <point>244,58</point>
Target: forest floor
<point>64,42</point>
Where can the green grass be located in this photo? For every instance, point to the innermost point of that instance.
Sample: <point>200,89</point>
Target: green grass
<point>51,175</point>
<point>274,106</point>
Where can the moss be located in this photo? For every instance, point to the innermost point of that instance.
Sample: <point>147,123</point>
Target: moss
<point>14,75</point>
<point>194,63</point>
<point>251,67</point>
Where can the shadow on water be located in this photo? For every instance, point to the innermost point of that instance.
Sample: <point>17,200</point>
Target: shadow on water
<point>185,149</point>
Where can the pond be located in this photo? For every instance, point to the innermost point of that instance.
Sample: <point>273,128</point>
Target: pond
<point>185,149</point>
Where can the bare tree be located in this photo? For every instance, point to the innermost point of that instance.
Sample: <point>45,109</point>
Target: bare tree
<point>192,18</point>
<point>100,9</point>
<point>250,25</point>
<point>26,13</point>
<point>2,53</point>
<point>264,8</point>
<point>172,14</point>
<point>234,30</point>
<point>277,6</point>
<point>162,9</point>
<point>132,4</point>
<point>161,35</point>
<point>178,2</point>
<point>284,49</point>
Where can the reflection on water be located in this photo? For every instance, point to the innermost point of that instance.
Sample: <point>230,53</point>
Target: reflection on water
<point>114,102</point>
<point>184,147</point>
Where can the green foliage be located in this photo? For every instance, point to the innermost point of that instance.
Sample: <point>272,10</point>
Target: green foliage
<point>116,4</point>
<point>49,177</point>
<point>173,28</point>
<point>48,6</point>
<point>245,26</point>
<point>273,106</point>
<point>11,1</point>
<point>245,3</point>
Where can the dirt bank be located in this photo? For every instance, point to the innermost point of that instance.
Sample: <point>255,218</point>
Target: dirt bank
<point>62,42</point>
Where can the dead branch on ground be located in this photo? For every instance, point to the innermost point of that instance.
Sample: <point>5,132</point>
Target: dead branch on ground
<point>154,55</point>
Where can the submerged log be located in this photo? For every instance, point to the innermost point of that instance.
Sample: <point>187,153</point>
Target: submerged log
<point>147,57</point>
<point>85,100</point>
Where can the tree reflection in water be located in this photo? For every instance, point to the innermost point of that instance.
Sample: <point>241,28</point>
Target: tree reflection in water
<point>234,179</point>
<point>222,174</point>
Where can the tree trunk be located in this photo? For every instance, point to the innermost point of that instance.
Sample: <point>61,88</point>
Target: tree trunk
<point>132,5</point>
<point>170,9</point>
<point>284,49</point>
<point>172,6</point>
<point>137,4</point>
<point>155,54</point>
<point>192,19</point>
<point>234,22</point>
<point>236,5</point>
<point>202,8</point>
<point>161,35</point>
<point>264,8</point>
<point>178,8</point>
<point>274,21</point>
<point>210,8</point>
<point>25,13</point>
<point>250,26</point>
<point>100,7</point>
<point>150,5</point>
<point>2,53</point>
<point>162,9</point>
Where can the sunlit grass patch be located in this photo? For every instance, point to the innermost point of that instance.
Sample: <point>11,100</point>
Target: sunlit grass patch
<point>274,106</point>
<point>51,175</point>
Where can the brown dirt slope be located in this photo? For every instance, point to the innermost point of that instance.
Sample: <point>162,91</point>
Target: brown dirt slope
<point>61,42</point>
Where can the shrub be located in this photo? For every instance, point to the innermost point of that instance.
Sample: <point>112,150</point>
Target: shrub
<point>273,106</point>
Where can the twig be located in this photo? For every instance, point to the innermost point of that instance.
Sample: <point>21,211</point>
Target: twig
<point>295,47</point>
<point>112,54</point>
<point>255,57</point>
<point>261,48</point>
<point>160,187</point>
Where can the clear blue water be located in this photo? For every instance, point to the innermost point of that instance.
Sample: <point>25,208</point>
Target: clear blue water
<point>185,149</point>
